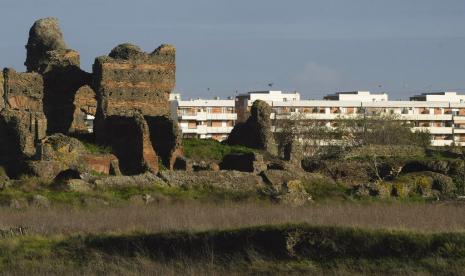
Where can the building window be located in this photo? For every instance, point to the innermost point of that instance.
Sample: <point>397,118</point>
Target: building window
<point>192,124</point>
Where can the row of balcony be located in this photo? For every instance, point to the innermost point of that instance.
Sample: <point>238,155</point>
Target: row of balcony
<point>203,116</point>
<point>206,129</point>
<point>407,117</point>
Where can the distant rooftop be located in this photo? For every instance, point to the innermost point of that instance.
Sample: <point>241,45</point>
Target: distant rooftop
<point>363,96</point>
<point>445,96</point>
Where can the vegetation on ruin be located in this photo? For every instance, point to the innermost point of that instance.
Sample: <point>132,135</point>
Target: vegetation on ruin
<point>209,149</point>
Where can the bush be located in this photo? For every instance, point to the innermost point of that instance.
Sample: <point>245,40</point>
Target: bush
<point>203,149</point>
<point>321,188</point>
<point>444,185</point>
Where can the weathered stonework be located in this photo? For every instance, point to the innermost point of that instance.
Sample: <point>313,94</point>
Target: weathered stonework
<point>132,89</point>
<point>48,55</point>
<point>256,131</point>
<point>22,91</point>
<point>62,79</point>
<point>45,35</point>
<point>129,81</point>
<point>245,162</point>
<point>128,94</point>
<point>22,121</point>
<point>165,137</point>
<point>57,153</point>
<point>129,138</point>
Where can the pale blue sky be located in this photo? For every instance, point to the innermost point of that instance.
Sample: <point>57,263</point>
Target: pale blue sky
<point>315,47</point>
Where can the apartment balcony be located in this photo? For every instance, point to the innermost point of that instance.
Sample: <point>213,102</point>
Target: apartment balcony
<point>459,130</point>
<point>435,130</point>
<point>441,143</point>
<point>313,116</point>
<point>206,130</point>
<point>203,116</point>
<point>425,117</point>
<point>459,118</point>
<point>461,144</point>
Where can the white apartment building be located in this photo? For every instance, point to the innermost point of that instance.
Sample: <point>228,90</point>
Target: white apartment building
<point>439,97</point>
<point>442,114</point>
<point>243,102</point>
<point>204,119</point>
<point>361,96</point>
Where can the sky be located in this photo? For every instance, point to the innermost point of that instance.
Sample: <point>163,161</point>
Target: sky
<point>224,47</point>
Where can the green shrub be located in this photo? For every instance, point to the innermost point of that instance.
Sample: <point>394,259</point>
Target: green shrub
<point>322,188</point>
<point>209,149</point>
<point>97,149</point>
<point>401,190</point>
<point>444,185</point>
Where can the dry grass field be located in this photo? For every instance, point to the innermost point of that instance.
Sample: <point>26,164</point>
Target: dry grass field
<point>196,216</point>
<point>168,238</point>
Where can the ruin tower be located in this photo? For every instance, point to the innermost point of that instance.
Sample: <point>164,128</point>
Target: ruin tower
<point>48,55</point>
<point>132,117</point>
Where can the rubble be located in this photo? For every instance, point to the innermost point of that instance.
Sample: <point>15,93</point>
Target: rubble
<point>244,162</point>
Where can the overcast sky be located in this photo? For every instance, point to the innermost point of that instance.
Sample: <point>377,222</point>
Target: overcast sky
<point>314,47</point>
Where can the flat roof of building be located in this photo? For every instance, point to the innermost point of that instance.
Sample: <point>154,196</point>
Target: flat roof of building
<point>207,103</point>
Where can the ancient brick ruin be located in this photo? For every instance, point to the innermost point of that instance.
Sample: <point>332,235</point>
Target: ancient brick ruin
<point>22,121</point>
<point>256,131</point>
<point>127,93</point>
<point>48,55</point>
<point>133,90</point>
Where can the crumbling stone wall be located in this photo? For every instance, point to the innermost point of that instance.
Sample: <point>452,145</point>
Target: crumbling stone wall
<point>45,35</point>
<point>130,103</point>
<point>134,86</point>
<point>58,153</point>
<point>129,138</point>
<point>165,137</point>
<point>244,162</point>
<point>22,121</point>
<point>256,131</point>
<point>48,55</point>
<point>130,81</point>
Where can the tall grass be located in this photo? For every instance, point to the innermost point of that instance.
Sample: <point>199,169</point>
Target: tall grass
<point>195,216</point>
<point>283,249</point>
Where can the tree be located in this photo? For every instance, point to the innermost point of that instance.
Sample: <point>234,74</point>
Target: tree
<point>377,136</point>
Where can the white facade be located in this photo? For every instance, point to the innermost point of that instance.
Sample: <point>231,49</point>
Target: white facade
<point>204,119</point>
<point>445,120</point>
<point>439,97</point>
<point>442,114</point>
<point>361,96</point>
<point>245,101</point>
<point>272,96</point>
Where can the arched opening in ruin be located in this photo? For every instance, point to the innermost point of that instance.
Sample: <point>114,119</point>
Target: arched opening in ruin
<point>125,137</point>
<point>85,106</point>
